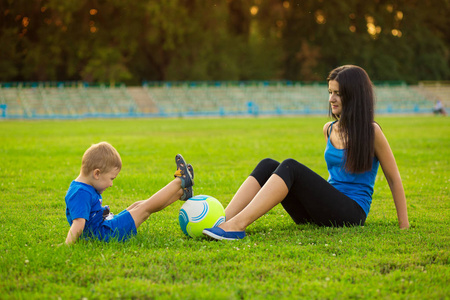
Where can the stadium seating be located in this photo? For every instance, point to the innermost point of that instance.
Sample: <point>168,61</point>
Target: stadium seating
<point>174,99</point>
<point>436,90</point>
<point>43,101</point>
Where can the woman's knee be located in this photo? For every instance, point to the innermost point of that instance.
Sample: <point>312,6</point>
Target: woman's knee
<point>291,170</point>
<point>293,164</point>
<point>268,163</point>
<point>264,170</point>
<point>290,162</point>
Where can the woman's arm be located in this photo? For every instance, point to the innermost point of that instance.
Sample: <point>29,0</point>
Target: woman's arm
<point>75,231</point>
<point>384,154</point>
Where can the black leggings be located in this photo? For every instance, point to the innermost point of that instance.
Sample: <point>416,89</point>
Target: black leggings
<point>311,199</point>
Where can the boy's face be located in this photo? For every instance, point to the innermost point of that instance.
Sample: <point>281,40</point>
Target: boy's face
<point>104,180</point>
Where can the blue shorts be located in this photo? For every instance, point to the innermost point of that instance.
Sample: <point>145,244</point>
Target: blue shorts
<point>121,227</point>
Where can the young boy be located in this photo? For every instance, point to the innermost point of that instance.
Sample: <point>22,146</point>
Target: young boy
<point>87,217</point>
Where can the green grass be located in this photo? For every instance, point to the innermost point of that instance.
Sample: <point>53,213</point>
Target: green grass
<point>278,259</point>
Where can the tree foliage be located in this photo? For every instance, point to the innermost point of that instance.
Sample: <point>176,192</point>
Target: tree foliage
<point>133,41</point>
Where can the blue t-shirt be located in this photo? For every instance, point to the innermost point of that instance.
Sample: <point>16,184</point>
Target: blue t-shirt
<point>357,186</point>
<point>83,201</point>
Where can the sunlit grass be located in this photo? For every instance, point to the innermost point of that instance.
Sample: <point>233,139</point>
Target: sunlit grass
<point>278,259</point>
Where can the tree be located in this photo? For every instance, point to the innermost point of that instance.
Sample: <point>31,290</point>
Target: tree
<point>132,41</point>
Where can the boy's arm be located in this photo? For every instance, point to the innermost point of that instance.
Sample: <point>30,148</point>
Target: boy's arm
<point>75,231</point>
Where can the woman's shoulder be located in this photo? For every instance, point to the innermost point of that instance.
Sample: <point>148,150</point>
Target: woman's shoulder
<point>326,128</point>
<point>327,124</point>
<point>377,129</point>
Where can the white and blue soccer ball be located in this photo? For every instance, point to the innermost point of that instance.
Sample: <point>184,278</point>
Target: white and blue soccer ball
<point>200,212</point>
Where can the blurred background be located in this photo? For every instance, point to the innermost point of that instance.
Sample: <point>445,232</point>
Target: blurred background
<point>148,42</point>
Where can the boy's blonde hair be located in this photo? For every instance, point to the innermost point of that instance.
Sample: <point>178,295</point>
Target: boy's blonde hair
<point>102,156</point>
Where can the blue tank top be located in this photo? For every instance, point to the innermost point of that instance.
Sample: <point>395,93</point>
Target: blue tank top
<point>357,186</point>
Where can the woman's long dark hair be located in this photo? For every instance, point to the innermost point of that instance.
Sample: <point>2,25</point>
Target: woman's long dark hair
<point>357,116</point>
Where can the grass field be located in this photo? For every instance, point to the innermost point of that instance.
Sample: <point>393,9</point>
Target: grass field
<point>278,259</point>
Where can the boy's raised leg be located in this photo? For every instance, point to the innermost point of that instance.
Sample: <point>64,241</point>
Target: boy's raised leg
<point>141,210</point>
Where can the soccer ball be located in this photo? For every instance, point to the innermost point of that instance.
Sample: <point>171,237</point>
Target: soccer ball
<point>198,213</point>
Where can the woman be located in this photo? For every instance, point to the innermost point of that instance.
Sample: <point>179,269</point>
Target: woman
<point>355,148</point>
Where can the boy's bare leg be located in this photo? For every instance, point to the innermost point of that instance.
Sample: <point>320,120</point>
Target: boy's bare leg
<point>272,193</point>
<point>135,204</point>
<point>141,210</point>
<point>246,192</point>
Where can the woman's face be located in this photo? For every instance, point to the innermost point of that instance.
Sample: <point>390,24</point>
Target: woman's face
<point>335,97</point>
